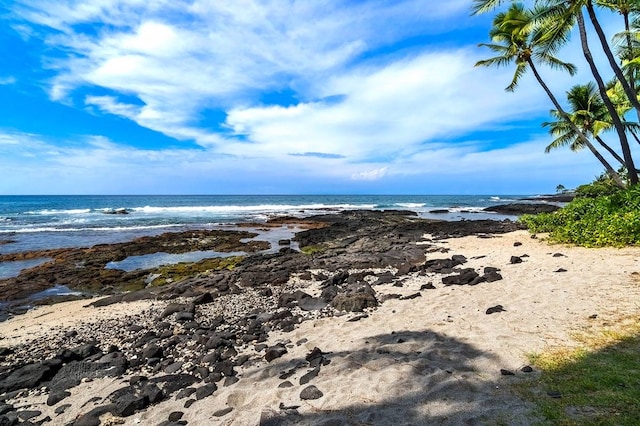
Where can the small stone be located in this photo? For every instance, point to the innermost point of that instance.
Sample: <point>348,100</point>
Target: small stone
<point>56,397</point>
<point>517,244</point>
<point>554,394</point>
<point>506,372</point>
<point>175,416</point>
<point>310,375</point>
<point>495,309</point>
<point>311,392</point>
<point>205,391</point>
<point>61,409</point>
<point>527,369</point>
<point>427,286</point>
<point>358,318</point>
<point>515,259</point>
<point>274,352</point>
<point>411,296</point>
<point>285,384</point>
<point>560,270</point>
<point>223,412</point>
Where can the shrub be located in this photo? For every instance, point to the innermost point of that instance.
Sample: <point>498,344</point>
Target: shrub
<point>608,220</point>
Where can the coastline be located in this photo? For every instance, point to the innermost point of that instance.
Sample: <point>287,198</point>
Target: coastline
<point>424,352</point>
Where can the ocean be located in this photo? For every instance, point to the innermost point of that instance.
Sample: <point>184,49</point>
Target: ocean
<point>46,222</point>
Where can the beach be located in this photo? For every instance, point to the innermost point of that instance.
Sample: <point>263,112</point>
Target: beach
<point>424,328</point>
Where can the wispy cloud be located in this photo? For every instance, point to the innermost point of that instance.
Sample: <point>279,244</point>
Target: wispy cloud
<point>7,80</point>
<point>373,96</point>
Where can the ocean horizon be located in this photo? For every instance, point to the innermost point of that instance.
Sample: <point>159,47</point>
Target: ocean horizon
<point>36,222</point>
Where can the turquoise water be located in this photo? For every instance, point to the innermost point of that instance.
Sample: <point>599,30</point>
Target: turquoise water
<point>43,222</point>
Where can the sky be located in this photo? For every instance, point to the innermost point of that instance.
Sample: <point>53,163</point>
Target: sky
<point>270,97</point>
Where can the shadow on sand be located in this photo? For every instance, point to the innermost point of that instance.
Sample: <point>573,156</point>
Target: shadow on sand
<point>434,380</point>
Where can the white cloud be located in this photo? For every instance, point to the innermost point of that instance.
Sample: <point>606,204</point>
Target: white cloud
<point>371,174</point>
<point>98,165</point>
<point>387,111</point>
<point>7,80</point>
<point>179,57</point>
<point>369,116</point>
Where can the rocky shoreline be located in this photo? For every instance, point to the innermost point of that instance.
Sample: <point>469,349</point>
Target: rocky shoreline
<point>202,330</point>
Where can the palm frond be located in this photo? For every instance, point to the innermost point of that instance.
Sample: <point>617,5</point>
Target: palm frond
<point>521,69</point>
<point>484,6</point>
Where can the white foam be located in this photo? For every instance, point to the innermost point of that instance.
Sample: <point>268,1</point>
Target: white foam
<point>104,228</point>
<point>411,205</point>
<point>56,211</point>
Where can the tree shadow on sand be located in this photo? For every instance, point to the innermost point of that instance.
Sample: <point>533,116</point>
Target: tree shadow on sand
<point>434,380</point>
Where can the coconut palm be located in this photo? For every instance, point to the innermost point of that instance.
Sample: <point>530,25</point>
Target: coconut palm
<point>589,114</point>
<point>558,17</point>
<point>517,40</point>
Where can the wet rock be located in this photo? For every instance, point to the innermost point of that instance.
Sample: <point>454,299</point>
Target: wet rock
<point>523,208</point>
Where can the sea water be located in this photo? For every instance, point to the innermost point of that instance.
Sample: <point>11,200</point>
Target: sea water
<point>46,222</point>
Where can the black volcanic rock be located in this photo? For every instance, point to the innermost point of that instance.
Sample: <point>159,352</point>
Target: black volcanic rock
<point>523,208</point>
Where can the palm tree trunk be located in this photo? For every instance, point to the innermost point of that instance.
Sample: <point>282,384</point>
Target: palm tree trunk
<point>583,138</point>
<point>610,150</point>
<point>626,150</point>
<point>635,135</point>
<point>627,33</point>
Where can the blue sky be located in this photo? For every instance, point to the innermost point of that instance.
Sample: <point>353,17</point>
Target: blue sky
<point>269,97</point>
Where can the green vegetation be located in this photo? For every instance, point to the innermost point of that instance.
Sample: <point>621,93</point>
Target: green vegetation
<point>312,249</point>
<point>180,271</point>
<point>595,384</point>
<point>593,219</point>
<point>134,281</point>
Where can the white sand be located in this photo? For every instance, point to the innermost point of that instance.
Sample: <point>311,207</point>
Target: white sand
<point>435,359</point>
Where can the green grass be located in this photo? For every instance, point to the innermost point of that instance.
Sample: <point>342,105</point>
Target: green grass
<point>599,382</point>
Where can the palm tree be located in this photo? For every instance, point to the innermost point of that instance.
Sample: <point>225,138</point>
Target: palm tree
<point>589,114</point>
<point>517,40</point>
<point>558,18</point>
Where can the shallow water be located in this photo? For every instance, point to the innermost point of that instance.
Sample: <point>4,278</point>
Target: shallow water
<point>13,269</point>
<point>153,260</point>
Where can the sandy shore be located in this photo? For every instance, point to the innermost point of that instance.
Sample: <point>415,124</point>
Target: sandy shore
<point>431,359</point>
